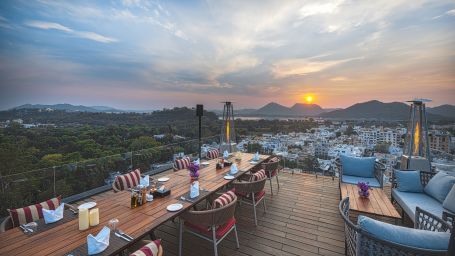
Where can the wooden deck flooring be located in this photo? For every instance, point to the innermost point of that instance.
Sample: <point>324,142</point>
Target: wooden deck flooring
<point>301,219</point>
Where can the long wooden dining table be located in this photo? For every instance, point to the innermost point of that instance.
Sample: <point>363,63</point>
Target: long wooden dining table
<point>67,239</point>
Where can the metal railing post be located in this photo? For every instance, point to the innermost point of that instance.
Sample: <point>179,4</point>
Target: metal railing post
<point>54,181</point>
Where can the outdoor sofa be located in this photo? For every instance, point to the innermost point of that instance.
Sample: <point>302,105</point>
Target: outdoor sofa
<point>360,169</point>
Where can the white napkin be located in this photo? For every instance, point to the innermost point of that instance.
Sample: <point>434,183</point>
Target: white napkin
<point>198,162</point>
<point>225,154</point>
<point>98,243</point>
<point>51,216</point>
<point>194,190</point>
<point>145,181</point>
<point>234,168</point>
<point>256,156</point>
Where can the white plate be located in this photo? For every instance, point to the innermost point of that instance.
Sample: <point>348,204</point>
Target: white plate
<point>253,162</point>
<point>174,207</point>
<point>87,205</point>
<point>163,179</point>
<point>229,177</point>
<point>205,163</point>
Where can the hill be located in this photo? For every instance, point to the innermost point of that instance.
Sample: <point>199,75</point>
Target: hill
<point>307,109</point>
<point>298,110</point>
<point>69,108</point>
<point>273,109</point>
<point>376,110</point>
<point>443,110</point>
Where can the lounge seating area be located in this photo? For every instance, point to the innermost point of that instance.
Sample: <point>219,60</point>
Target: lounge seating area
<point>353,170</point>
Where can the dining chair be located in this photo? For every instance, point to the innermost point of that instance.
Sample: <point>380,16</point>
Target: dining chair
<point>212,224</point>
<point>252,192</point>
<point>126,181</point>
<point>213,153</point>
<point>30,213</point>
<point>271,170</point>
<point>147,247</point>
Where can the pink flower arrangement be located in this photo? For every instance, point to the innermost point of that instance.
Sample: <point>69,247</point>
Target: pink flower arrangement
<point>364,189</point>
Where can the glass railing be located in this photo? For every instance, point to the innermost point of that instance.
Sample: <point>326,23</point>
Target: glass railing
<point>77,180</point>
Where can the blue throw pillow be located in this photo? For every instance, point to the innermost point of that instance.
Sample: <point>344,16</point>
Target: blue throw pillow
<point>439,186</point>
<point>449,202</point>
<point>423,239</point>
<point>408,181</point>
<point>358,166</point>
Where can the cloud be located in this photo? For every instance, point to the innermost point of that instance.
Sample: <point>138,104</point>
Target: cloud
<point>319,8</point>
<point>339,79</point>
<point>81,34</point>
<point>47,25</point>
<point>301,67</point>
<point>451,12</point>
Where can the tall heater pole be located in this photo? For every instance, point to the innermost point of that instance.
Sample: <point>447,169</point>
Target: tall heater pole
<point>199,113</point>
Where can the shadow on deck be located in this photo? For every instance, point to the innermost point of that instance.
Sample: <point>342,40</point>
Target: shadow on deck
<point>301,219</point>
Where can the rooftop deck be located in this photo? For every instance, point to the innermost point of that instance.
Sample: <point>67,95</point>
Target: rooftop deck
<point>301,219</point>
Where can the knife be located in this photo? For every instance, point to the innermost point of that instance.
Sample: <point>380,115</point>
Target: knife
<point>122,237</point>
<point>124,234</point>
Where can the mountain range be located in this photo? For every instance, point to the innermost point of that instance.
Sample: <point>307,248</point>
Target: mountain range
<point>366,110</point>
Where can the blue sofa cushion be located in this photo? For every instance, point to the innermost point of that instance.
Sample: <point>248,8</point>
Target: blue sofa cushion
<point>373,182</point>
<point>409,201</point>
<point>408,181</point>
<point>449,202</point>
<point>439,186</point>
<point>422,239</point>
<point>358,166</point>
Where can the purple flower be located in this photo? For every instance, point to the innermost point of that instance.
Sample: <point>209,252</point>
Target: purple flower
<point>194,170</point>
<point>363,186</point>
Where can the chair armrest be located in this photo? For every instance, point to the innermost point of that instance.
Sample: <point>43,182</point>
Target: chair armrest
<point>449,217</point>
<point>339,168</point>
<point>7,224</point>
<point>379,169</point>
<point>427,221</point>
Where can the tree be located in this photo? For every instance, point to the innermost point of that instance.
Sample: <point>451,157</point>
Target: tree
<point>382,147</point>
<point>349,131</point>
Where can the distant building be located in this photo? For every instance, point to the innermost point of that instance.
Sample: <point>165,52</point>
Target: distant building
<point>439,141</point>
<point>321,149</point>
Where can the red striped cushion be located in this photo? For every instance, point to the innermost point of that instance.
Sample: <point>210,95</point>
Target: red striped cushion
<point>34,212</point>
<point>213,153</point>
<point>274,159</point>
<point>150,249</point>
<point>259,175</point>
<point>128,180</point>
<point>183,163</point>
<point>224,199</point>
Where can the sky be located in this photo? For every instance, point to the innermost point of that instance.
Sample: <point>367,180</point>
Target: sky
<point>140,54</point>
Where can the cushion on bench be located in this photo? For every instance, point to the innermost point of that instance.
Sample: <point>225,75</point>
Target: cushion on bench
<point>409,201</point>
<point>358,166</point>
<point>423,239</point>
<point>408,181</point>
<point>373,182</point>
<point>439,186</point>
<point>449,202</point>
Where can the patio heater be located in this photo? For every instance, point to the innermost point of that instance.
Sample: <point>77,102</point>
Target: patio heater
<point>416,152</point>
<point>228,139</point>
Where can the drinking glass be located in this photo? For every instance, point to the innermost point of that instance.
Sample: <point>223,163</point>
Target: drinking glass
<point>113,224</point>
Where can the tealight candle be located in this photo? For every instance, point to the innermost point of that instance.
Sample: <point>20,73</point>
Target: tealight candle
<point>83,219</point>
<point>94,217</point>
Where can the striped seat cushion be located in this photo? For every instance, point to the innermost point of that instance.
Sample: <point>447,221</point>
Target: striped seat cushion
<point>183,163</point>
<point>34,212</point>
<point>213,153</point>
<point>150,249</point>
<point>224,199</point>
<point>259,175</point>
<point>128,180</point>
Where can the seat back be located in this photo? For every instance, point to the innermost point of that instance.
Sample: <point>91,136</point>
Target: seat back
<point>270,167</point>
<point>127,180</point>
<point>248,187</point>
<point>213,217</point>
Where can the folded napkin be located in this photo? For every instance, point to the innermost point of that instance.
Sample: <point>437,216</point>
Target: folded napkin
<point>194,190</point>
<point>51,216</point>
<point>145,181</point>
<point>225,154</point>
<point>198,162</point>
<point>256,157</point>
<point>98,243</point>
<point>234,168</point>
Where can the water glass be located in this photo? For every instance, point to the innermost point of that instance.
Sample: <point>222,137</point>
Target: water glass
<point>113,224</point>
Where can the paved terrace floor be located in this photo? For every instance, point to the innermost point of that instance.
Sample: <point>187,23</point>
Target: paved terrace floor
<point>301,219</point>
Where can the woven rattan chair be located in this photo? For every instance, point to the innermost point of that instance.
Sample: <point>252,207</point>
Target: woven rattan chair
<point>379,169</point>
<point>359,242</point>
<point>7,223</point>
<point>212,225</point>
<point>271,170</point>
<point>251,193</point>
<point>425,177</point>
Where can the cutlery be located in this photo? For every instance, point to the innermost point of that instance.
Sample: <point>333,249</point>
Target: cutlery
<point>124,234</point>
<point>122,237</point>
<point>73,211</point>
<point>25,230</point>
<point>186,199</point>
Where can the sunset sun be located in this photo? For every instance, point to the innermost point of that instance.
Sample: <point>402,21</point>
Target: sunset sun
<point>309,99</point>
